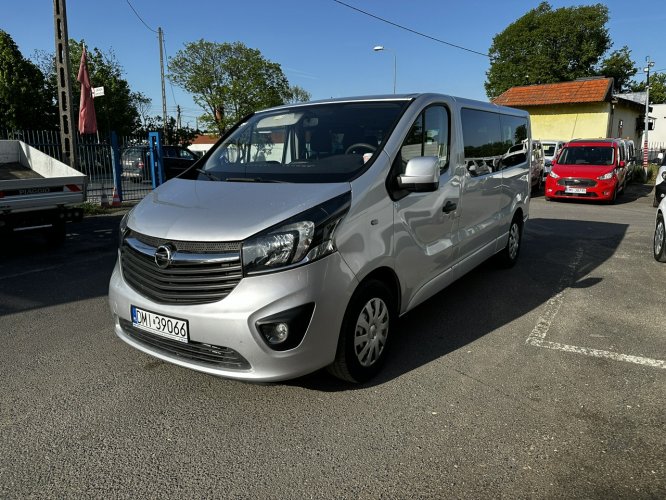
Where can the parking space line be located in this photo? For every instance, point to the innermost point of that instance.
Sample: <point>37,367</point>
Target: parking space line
<point>537,337</point>
<point>598,353</point>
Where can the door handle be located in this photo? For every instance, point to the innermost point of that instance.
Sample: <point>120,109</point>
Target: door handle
<point>449,207</point>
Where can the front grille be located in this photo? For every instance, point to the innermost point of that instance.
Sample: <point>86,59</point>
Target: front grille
<point>191,278</point>
<point>577,182</point>
<point>222,357</point>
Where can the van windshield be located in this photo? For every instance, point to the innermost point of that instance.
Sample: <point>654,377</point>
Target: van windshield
<point>586,155</point>
<point>313,143</point>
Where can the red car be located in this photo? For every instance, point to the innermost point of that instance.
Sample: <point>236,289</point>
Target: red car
<point>589,169</point>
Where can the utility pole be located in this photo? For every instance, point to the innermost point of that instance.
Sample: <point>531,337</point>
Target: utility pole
<point>647,112</point>
<point>177,118</point>
<point>164,110</point>
<point>67,124</point>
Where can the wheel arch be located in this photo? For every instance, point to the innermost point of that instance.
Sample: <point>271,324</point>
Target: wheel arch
<point>388,277</point>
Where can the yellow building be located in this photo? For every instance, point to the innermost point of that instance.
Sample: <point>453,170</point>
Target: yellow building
<point>584,108</point>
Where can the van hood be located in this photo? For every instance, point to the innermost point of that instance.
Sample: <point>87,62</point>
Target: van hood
<point>582,171</point>
<point>224,211</point>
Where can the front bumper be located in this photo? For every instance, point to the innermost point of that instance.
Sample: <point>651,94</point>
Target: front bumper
<point>229,325</point>
<point>659,192</point>
<point>601,190</point>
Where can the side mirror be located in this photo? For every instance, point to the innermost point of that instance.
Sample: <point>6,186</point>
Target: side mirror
<point>421,174</point>
<point>622,164</point>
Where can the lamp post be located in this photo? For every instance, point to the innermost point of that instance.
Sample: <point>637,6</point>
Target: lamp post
<point>381,48</point>
<point>646,69</point>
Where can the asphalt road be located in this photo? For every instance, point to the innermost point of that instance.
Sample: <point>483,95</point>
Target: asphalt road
<point>547,380</point>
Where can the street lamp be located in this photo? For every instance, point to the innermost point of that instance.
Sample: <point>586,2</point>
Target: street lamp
<point>381,48</point>
<point>646,69</point>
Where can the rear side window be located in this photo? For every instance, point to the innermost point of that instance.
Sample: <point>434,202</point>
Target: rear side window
<point>493,141</point>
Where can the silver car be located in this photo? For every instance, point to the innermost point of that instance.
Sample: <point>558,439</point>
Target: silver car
<point>310,228</point>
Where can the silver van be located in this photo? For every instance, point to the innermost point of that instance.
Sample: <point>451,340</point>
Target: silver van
<point>301,237</point>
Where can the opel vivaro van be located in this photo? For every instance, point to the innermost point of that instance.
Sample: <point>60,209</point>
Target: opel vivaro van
<point>301,237</point>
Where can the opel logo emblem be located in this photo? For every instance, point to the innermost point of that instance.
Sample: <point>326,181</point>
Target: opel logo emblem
<point>164,256</point>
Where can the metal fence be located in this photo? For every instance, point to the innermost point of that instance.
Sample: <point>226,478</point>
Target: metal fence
<point>95,159</point>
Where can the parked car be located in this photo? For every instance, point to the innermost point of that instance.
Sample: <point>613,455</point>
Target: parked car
<point>588,169</point>
<point>629,156</point>
<point>536,160</point>
<point>551,149</point>
<point>310,228</point>
<point>660,183</point>
<point>136,159</point>
<point>659,246</point>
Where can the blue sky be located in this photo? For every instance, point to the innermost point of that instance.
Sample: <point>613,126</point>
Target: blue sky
<point>321,45</point>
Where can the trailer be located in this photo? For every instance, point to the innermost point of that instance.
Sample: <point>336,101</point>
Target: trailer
<point>38,192</point>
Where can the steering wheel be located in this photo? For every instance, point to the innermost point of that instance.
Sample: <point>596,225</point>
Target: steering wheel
<point>365,145</point>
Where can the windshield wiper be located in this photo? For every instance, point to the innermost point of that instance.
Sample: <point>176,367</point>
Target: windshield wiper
<point>249,179</point>
<point>212,177</point>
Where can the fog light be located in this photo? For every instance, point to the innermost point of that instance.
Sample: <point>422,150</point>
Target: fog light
<point>275,333</point>
<point>286,330</point>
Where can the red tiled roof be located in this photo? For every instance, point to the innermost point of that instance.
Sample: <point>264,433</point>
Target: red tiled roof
<point>593,90</point>
<point>205,139</point>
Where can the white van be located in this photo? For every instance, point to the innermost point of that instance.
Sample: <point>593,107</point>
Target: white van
<point>298,240</point>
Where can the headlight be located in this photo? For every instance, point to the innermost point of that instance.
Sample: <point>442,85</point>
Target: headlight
<point>553,175</point>
<point>299,240</point>
<point>122,230</point>
<point>606,177</point>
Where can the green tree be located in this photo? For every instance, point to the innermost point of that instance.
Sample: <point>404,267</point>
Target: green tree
<point>297,94</point>
<point>26,101</point>
<point>142,104</point>
<point>620,67</point>
<point>228,80</point>
<point>548,46</point>
<point>657,88</point>
<point>118,108</point>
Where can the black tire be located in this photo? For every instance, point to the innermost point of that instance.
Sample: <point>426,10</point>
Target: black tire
<point>508,257</point>
<point>659,245</point>
<point>365,333</point>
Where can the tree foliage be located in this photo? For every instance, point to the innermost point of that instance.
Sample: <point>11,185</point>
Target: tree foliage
<point>548,46</point>
<point>620,67</point>
<point>297,94</point>
<point>116,110</point>
<point>229,80</point>
<point>26,101</point>
<point>657,88</point>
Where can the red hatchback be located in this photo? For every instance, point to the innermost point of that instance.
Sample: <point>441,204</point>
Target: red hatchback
<point>590,169</point>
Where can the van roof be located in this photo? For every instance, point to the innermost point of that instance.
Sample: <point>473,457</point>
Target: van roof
<point>407,97</point>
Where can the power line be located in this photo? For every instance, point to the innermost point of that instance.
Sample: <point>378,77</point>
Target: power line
<point>411,30</point>
<point>140,19</point>
<point>170,84</point>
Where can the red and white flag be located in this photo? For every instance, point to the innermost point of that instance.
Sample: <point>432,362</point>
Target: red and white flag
<point>87,118</point>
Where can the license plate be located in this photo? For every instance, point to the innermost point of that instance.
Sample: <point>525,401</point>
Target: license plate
<point>158,324</point>
<point>575,190</point>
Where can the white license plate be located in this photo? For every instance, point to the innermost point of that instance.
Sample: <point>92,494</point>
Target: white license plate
<point>575,190</point>
<point>158,324</point>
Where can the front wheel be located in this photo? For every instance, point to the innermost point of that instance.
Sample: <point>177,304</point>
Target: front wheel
<point>660,240</point>
<point>364,335</point>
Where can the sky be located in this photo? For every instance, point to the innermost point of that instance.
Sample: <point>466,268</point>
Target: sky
<point>322,46</point>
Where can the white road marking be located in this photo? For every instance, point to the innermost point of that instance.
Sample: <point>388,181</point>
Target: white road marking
<point>538,336</point>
